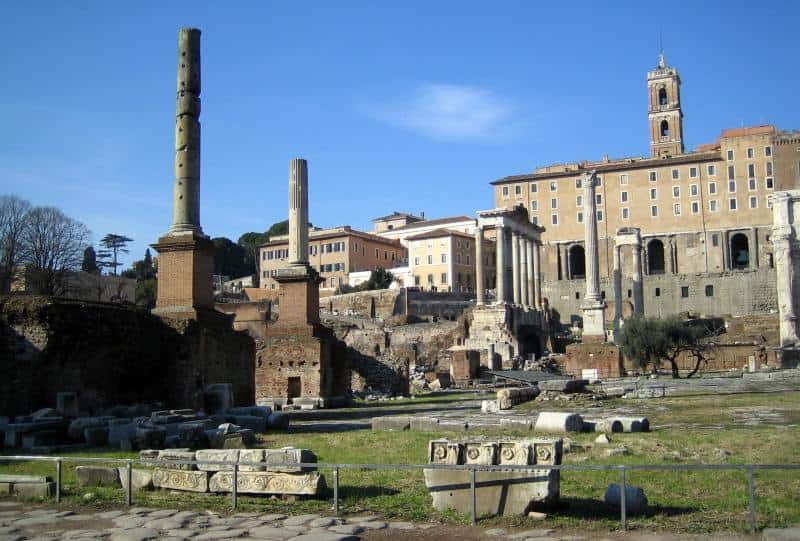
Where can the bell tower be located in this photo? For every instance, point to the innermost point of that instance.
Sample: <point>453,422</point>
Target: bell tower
<point>664,111</point>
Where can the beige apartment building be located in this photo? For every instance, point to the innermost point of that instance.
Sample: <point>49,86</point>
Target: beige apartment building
<point>705,211</point>
<point>444,260</point>
<point>333,253</point>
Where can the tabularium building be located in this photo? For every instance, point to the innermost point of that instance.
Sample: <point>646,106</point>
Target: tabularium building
<point>704,217</point>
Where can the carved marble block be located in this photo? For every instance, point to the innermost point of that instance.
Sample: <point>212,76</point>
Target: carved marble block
<point>308,484</point>
<point>193,481</point>
<point>217,455</point>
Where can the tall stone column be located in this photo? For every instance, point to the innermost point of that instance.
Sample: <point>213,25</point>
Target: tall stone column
<point>515,267</point>
<point>593,305</point>
<point>479,280</point>
<point>537,275</point>
<point>185,254</point>
<point>186,191</point>
<point>638,288</point>
<point>617,288</point>
<point>298,212</point>
<point>783,240</point>
<point>529,275</point>
<point>500,267</point>
<point>523,270</point>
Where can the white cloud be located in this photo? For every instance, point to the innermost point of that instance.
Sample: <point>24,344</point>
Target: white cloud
<point>451,113</point>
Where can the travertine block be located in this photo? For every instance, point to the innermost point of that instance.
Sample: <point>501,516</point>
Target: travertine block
<point>217,455</point>
<point>286,459</point>
<point>251,455</point>
<point>178,456</point>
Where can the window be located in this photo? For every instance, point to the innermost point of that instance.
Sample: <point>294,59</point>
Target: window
<point>676,209</point>
<point>599,215</point>
<point>444,258</point>
<point>598,197</point>
<point>653,193</point>
<point>416,260</point>
<point>769,168</point>
<point>712,205</point>
<point>505,192</point>
<point>430,260</point>
<point>732,203</point>
<point>694,190</point>
<point>430,279</point>
<point>753,202</point>
<point>580,217</point>
<point>664,129</point>
<point>377,252</point>
<point>676,191</point>
<point>534,187</point>
<point>676,174</point>
<point>767,151</point>
<point>712,188</point>
<point>695,207</point>
<point>517,189</point>
<point>662,96</point>
<point>751,184</point>
<point>578,183</point>
<point>749,153</point>
<point>731,172</point>
<point>554,219</point>
<point>623,197</point>
<point>654,211</point>
<point>444,278</point>
<point>355,247</point>
<point>416,280</point>
<point>715,240</point>
<point>693,172</point>
<point>712,170</point>
<point>658,292</point>
<point>623,180</point>
<point>751,170</point>
<point>535,220</point>
<point>534,205</point>
<point>730,155</point>
<point>457,259</point>
<point>770,183</point>
<point>554,203</point>
<point>653,175</point>
<point>625,213</point>
<point>684,291</point>
<point>709,291</point>
<point>467,259</point>
<point>599,180</point>
<point>731,186</point>
<point>553,186</point>
<point>579,201</point>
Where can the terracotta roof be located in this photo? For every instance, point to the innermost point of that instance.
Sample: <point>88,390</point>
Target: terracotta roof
<point>438,221</point>
<point>436,233</point>
<point>749,130</point>
<point>396,214</point>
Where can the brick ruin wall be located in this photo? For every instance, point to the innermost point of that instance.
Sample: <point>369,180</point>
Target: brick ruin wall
<point>111,354</point>
<point>736,293</point>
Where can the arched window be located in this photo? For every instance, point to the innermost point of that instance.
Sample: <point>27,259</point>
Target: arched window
<point>662,96</point>
<point>577,262</point>
<point>655,257</point>
<point>740,251</point>
<point>664,128</point>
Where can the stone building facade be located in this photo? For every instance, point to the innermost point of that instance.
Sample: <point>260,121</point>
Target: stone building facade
<point>333,253</point>
<point>444,260</point>
<point>704,212</point>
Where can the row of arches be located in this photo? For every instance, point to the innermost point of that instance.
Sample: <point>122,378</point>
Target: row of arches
<point>656,260</point>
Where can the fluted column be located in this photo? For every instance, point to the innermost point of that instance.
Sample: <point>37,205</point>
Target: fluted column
<point>592,254</point>
<point>479,284</point>
<point>515,267</point>
<point>500,267</point>
<point>523,271</point>
<point>529,275</point>
<point>617,287</point>
<point>186,190</point>
<point>638,288</point>
<point>298,212</point>
<point>782,241</point>
<point>537,277</point>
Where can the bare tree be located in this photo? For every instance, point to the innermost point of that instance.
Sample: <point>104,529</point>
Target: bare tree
<point>52,245</point>
<point>13,220</point>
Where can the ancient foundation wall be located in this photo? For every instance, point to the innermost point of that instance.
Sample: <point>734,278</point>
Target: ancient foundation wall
<point>735,293</point>
<point>109,354</point>
<point>385,303</point>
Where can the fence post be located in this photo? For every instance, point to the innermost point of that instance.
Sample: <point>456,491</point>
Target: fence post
<point>623,511</point>
<point>235,488</point>
<point>336,492</point>
<point>751,487</point>
<point>129,475</point>
<point>473,496</point>
<point>58,481</point>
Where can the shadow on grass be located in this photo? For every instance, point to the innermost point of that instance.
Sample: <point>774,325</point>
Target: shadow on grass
<point>589,509</point>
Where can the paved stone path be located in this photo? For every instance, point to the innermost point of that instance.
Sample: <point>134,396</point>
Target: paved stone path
<point>20,522</point>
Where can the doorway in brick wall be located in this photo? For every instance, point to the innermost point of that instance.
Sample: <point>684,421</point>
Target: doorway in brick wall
<point>293,388</point>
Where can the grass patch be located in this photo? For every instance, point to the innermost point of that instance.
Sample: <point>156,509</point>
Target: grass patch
<point>696,429</point>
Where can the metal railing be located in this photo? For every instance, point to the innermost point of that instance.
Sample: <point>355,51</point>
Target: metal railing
<point>623,469</point>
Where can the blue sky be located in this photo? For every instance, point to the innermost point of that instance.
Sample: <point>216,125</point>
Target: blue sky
<point>411,106</point>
